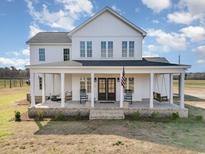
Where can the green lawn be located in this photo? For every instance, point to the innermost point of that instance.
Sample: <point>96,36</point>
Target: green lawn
<point>192,83</point>
<point>8,97</point>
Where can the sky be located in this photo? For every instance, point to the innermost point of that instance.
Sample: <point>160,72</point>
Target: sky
<point>174,27</point>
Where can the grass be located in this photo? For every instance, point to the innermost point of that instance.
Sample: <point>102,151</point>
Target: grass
<point>192,83</point>
<point>8,107</point>
<point>101,136</point>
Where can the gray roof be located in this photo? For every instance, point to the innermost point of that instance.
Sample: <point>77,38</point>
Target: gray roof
<point>156,61</point>
<point>50,37</point>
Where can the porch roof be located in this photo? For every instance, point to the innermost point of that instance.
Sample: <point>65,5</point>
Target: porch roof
<point>154,61</point>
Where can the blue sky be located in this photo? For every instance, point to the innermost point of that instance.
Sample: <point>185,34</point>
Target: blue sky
<point>175,27</point>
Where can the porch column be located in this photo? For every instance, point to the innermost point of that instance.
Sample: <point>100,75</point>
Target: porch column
<point>53,82</point>
<point>182,90</point>
<point>43,88</point>
<point>32,90</point>
<point>62,90</point>
<point>151,90</point>
<point>171,88</point>
<point>121,92</point>
<point>92,90</point>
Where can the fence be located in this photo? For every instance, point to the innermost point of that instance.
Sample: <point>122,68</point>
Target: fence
<point>14,82</point>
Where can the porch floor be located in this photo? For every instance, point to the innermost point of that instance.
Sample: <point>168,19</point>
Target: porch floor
<point>144,104</point>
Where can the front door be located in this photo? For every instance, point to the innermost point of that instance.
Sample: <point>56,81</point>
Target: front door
<point>106,88</point>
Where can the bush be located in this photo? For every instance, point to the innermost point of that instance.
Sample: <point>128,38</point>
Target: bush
<point>118,143</point>
<point>60,117</point>
<point>155,115</point>
<point>39,116</point>
<point>175,116</point>
<point>17,116</point>
<point>135,116</point>
<point>199,118</point>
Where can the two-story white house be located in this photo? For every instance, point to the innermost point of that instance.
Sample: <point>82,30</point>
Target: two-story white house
<point>82,70</point>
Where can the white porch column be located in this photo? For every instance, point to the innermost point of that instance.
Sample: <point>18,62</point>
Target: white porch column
<point>151,90</point>
<point>32,90</point>
<point>43,88</point>
<point>62,90</point>
<point>171,88</point>
<point>182,90</point>
<point>53,82</point>
<point>121,92</point>
<point>92,90</point>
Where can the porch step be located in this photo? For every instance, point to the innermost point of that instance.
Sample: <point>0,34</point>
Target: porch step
<point>106,114</point>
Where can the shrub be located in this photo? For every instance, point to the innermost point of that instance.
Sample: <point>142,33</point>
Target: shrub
<point>175,116</point>
<point>118,143</point>
<point>39,115</point>
<point>60,117</point>
<point>155,115</point>
<point>135,116</point>
<point>199,118</point>
<point>17,116</point>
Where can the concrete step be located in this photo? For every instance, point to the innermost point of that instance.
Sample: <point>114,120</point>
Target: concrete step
<point>106,114</point>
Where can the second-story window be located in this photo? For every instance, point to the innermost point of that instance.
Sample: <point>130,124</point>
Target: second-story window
<point>131,48</point>
<point>89,48</point>
<point>124,48</point>
<point>103,49</point>
<point>66,54</point>
<point>41,54</point>
<point>82,48</point>
<point>110,49</point>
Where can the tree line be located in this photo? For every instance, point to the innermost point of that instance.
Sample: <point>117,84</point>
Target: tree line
<point>13,73</point>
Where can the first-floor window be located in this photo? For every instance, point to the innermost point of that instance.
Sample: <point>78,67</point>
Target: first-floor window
<point>40,83</point>
<point>85,83</point>
<point>82,83</point>
<point>66,54</point>
<point>129,84</point>
<point>88,85</point>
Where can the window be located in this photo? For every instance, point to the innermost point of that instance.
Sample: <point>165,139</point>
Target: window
<point>110,49</point>
<point>40,83</point>
<point>129,84</point>
<point>82,83</point>
<point>89,48</point>
<point>82,48</point>
<point>103,49</point>
<point>124,48</point>
<point>41,54</point>
<point>88,85</point>
<point>131,48</point>
<point>66,54</point>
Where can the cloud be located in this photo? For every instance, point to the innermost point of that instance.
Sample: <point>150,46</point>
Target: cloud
<point>157,5</point>
<point>190,10</point>
<point>34,29</point>
<point>200,52</point>
<point>195,33</point>
<point>63,18</point>
<point>16,62</point>
<point>168,41</point>
<point>181,17</point>
<point>114,7</point>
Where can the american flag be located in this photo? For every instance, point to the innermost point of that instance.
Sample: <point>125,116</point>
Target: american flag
<point>123,77</point>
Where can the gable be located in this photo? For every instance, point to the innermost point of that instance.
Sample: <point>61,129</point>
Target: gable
<point>107,23</point>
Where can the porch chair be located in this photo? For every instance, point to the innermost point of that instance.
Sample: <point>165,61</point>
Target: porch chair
<point>83,96</point>
<point>128,96</point>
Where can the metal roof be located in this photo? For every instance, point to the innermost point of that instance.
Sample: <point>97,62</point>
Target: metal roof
<point>50,37</point>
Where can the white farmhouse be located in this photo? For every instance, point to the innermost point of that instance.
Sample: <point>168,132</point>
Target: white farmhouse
<point>81,71</point>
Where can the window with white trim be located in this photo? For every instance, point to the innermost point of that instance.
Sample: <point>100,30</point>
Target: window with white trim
<point>129,84</point>
<point>42,54</point>
<point>124,48</point>
<point>103,49</point>
<point>66,54</point>
<point>82,48</point>
<point>85,83</point>
<point>131,48</point>
<point>89,48</point>
<point>110,49</point>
